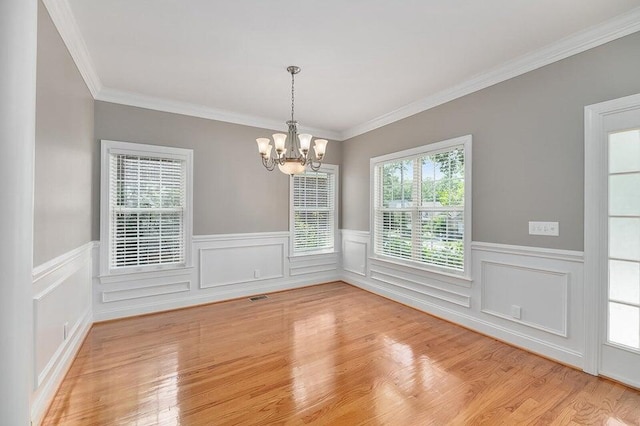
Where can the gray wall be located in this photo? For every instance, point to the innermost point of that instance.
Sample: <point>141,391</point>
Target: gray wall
<point>64,200</point>
<point>528,145</point>
<point>232,192</point>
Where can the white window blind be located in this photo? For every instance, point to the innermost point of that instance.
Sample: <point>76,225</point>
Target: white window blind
<point>147,207</point>
<point>419,208</point>
<point>314,211</point>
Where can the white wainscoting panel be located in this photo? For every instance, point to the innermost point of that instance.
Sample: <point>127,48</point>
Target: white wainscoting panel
<point>62,317</point>
<point>355,252</point>
<point>225,266</point>
<point>417,281</point>
<point>541,295</point>
<point>355,257</point>
<point>145,291</point>
<point>313,264</point>
<point>547,284</point>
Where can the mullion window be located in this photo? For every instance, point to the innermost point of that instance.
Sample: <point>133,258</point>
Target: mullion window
<point>428,226</point>
<point>148,201</point>
<point>314,211</point>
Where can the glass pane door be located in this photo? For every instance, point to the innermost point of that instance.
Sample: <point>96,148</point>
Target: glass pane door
<point>624,239</point>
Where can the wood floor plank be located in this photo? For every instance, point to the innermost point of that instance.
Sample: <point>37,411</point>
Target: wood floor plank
<point>322,355</point>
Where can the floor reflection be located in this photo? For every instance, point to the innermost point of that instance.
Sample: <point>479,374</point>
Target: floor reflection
<point>313,364</point>
<point>159,401</point>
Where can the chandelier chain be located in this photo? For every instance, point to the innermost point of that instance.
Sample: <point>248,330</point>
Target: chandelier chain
<point>292,93</point>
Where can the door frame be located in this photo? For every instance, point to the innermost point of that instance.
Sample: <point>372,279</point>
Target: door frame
<point>595,223</point>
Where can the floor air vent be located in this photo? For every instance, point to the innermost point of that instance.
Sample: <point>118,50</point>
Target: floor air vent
<point>255,298</point>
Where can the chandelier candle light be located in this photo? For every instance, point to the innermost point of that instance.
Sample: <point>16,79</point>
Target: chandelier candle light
<point>292,149</point>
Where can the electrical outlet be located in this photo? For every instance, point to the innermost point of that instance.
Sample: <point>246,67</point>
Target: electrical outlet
<point>65,330</point>
<point>516,311</point>
<point>544,228</point>
<point>256,273</point>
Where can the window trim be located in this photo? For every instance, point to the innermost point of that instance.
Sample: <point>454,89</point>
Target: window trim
<point>326,168</point>
<point>429,149</point>
<point>109,147</point>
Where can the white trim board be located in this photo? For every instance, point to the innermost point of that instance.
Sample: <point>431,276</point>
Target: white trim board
<point>44,269</point>
<point>547,253</point>
<point>615,28</point>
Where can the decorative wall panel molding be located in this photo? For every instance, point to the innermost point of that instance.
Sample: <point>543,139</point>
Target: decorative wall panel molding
<point>388,276</point>
<point>539,295</point>
<point>237,264</point>
<point>354,256</point>
<point>546,284</point>
<point>62,317</point>
<point>355,251</point>
<point>311,264</point>
<point>145,291</point>
<point>224,267</point>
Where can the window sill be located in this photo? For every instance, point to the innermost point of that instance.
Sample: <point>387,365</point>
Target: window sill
<point>122,276</point>
<point>460,279</point>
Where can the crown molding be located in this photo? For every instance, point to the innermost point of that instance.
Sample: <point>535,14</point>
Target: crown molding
<point>620,26</point>
<point>201,111</point>
<point>610,30</point>
<point>65,23</point>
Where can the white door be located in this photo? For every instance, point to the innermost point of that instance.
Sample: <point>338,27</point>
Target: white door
<point>620,357</point>
<point>620,254</point>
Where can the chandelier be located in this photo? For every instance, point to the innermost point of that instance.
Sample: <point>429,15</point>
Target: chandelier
<point>291,149</point>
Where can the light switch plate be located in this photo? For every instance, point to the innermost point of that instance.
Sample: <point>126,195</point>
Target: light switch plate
<point>544,228</point>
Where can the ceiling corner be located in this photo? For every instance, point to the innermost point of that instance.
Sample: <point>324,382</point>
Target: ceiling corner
<point>65,23</point>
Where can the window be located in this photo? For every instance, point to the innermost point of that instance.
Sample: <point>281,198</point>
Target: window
<point>422,205</point>
<point>146,207</point>
<point>314,206</point>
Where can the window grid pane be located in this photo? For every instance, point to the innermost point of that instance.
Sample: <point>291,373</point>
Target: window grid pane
<point>419,209</point>
<point>314,211</point>
<point>624,239</point>
<point>147,207</point>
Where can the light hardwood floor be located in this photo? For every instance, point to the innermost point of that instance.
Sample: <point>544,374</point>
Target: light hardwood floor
<point>329,354</point>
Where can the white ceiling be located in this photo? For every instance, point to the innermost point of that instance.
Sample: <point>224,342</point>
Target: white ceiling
<point>360,59</point>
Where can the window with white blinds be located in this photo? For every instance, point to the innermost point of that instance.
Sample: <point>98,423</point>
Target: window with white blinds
<point>314,210</point>
<point>421,205</point>
<point>148,206</point>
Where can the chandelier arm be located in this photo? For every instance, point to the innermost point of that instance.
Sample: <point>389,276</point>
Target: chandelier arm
<point>269,165</point>
<point>315,167</point>
<point>276,162</point>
